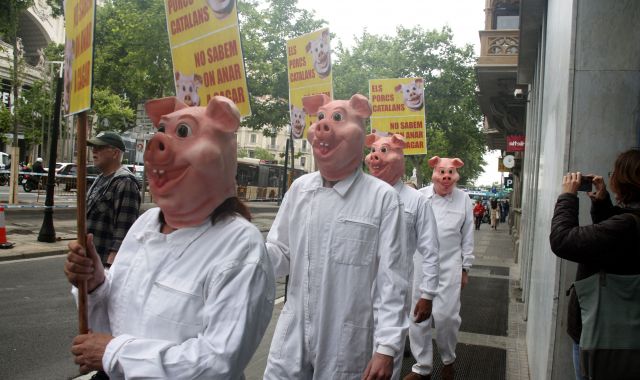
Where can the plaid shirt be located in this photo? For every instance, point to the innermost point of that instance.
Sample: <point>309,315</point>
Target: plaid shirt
<point>113,203</point>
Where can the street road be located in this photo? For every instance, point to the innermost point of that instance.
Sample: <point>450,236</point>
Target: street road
<point>38,317</point>
<point>37,320</point>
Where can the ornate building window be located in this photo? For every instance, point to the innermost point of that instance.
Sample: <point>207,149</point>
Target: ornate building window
<point>506,15</point>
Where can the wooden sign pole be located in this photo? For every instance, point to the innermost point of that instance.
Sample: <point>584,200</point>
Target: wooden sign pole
<point>83,317</point>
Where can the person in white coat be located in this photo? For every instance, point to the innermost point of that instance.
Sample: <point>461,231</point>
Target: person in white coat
<point>454,218</point>
<point>339,235</point>
<point>191,290</point>
<point>386,162</point>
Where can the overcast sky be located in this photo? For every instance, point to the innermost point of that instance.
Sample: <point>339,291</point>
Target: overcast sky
<point>347,18</point>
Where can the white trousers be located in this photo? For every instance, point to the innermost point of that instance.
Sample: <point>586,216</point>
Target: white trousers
<point>445,317</point>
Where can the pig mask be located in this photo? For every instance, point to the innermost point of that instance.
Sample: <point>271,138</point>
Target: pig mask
<point>191,160</point>
<point>445,174</point>
<point>337,138</point>
<point>386,160</point>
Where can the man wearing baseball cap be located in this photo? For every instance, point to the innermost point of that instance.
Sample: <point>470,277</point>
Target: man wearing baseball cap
<point>113,200</point>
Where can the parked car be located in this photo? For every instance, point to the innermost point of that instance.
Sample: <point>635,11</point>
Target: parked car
<point>62,165</point>
<point>67,176</point>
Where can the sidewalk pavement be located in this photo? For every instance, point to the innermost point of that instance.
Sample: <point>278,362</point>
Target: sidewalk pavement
<point>24,233</point>
<point>492,336</point>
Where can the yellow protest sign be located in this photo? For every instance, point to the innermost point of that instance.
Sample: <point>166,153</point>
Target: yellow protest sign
<point>206,52</point>
<point>398,107</point>
<point>309,69</point>
<point>78,55</point>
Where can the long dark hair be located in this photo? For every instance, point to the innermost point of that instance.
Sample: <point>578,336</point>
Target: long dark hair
<point>625,179</point>
<point>231,206</point>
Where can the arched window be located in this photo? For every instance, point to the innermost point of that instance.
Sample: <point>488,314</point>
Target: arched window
<point>506,15</point>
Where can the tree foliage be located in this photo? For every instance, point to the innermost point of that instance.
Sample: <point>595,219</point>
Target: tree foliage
<point>263,154</point>
<point>133,58</point>
<point>133,61</point>
<point>57,7</point>
<point>132,55</point>
<point>9,13</point>
<point>34,108</point>
<point>265,27</point>
<point>113,112</point>
<point>452,113</point>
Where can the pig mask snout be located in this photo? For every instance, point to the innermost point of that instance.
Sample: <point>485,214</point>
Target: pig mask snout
<point>323,129</point>
<point>158,150</point>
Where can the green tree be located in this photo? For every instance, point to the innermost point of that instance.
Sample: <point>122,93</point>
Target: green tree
<point>265,27</point>
<point>6,121</point>
<point>133,58</point>
<point>452,113</point>
<point>57,8</point>
<point>132,55</point>
<point>10,12</point>
<point>33,109</point>
<point>263,154</point>
<point>113,112</point>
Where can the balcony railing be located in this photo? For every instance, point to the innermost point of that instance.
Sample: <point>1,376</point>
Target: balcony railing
<point>499,47</point>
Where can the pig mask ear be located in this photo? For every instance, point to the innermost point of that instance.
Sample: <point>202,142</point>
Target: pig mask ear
<point>157,108</point>
<point>397,141</point>
<point>457,163</point>
<point>312,103</point>
<point>370,139</point>
<point>361,105</point>
<point>433,161</point>
<point>225,111</point>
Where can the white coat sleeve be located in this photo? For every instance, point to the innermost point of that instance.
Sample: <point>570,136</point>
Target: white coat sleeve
<point>238,308</point>
<point>427,245</point>
<point>391,280</point>
<point>467,235</point>
<point>278,238</point>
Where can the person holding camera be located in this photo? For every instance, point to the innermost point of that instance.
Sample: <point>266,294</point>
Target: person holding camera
<point>610,245</point>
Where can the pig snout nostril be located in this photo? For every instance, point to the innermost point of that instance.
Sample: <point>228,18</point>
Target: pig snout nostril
<point>326,128</point>
<point>161,146</point>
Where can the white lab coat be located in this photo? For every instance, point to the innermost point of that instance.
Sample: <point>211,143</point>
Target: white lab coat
<point>422,250</point>
<point>422,240</point>
<point>193,304</point>
<point>342,247</point>
<point>454,218</point>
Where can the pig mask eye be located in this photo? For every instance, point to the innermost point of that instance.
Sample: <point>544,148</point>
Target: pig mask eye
<point>383,149</point>
<point>320,115</point>
<point>161,128</point>
<point>337,116</point>
<point>183,130</point>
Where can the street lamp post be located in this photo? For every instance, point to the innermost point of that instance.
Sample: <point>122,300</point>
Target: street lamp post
<point>47,231</point>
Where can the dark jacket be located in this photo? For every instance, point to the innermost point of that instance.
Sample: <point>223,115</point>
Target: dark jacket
<point>112,206</point>
<point>611,244</point>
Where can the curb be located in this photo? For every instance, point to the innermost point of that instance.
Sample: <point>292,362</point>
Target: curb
<point>32,255</point>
